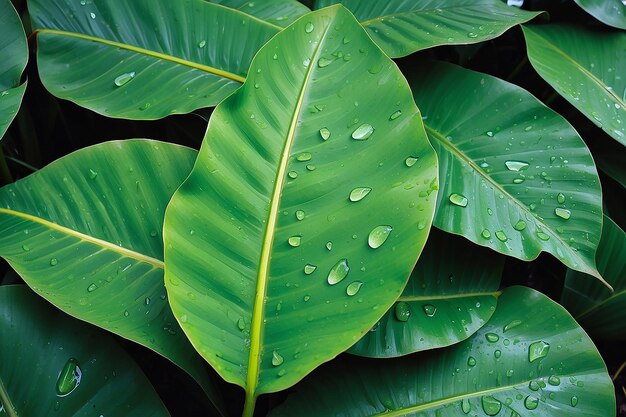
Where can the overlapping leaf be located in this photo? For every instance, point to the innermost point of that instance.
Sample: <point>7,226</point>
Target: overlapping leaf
<point>144,59</point>
<point>610,12</point>
<point>531,359</point>
<point>306,210</point>
<point>401,27</point>
<point>601,312</point>
<point>85,233</point>
<point>14,52</point>
<point>516,177</point>
<point>586,68</point>
<point>277,12</point>
<point>55,365</point>
<point>443,303</point>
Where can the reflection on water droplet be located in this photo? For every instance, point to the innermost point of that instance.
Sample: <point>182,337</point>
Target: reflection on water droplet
<point>472,35</point>
<point>308,28</point>
<point>354,288</point>
<point>429,309</point>
<point>359,193</point>
<point>124,78</point>
<point>531,402</point>
<point>491,406</point>
<point>516,165</point>
<point>277,360</point>
<point>563,213</point>
<point>363,132</point>
<point>378,236</point>
<point>511,325</point>
<point>538,350</point>
<point>69,378</point>
<point>410,161</point>
<point>497,354</point>
<point>402,311</point>
<point>338,272</point>
<point>324,133</point>
<point>329,245</point>
<point>458,200</point>
<point>534,386</point>
<point>293,175</point>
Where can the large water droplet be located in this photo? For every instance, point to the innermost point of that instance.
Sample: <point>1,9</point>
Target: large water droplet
<point>516,165</point>
<point>359,193</point>
<point>354,288</point>
<point>69,378</point>
<point>124,78</point>
<point>429,309</point>
<point>363,132</point>
<point>277,359</point>
<point>294,241</point>
<point>308,28</point>
<point>378,236</point>
<point>492,337</point>
<point>533,385</point>
<point>531,402</point>
<point>502,237</point>
<point>324,62</point>
<point>324,133</point>
<point>563,213</point>
<point>402,311</point>
<point>338,272</point>
<point>554,380</point>
<point>491,406</point>
<point>458,200</point>
<point>538,350</point>
<point>520,225</point>
<point>465,406</point>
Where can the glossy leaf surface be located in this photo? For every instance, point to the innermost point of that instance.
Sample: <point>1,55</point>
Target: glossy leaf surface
<point>610,12</point>
<point>401,27</point>
<point>566,376</point>
<point>586,68</point>
<point>443,303</point>
<point>277,12</point>
<point>516,177</point>
<point>85,233</point>
<point>14,57</point>
<point>300,222</point>
<point>598,310</point>
<point>144,59</point>
<point>53,364</point>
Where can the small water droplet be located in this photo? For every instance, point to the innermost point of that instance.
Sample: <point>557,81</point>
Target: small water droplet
<point>92,15</point>
<point>541,235</point>
<point>520,225</point>
<point>126,313</point>
<point>502,237</point>
<point>531,402</point>
<point>241,324</point>
<point>277,360</point>
<point>560,198</point>
<point>378,236</point>
<point>363,132</point>
<point>429,309</point>
<point>465,406</point>
<point>471,361</point>
<point>538,350</point>
<point>54,262</point>
<point>574,401</point>
<point>183,318</point>
<point>202,44</point>
<point>554,380</point>
<point>92,174</point>
<point>354,288</point>
<point>512,325</point>
<point>293,175</point>
<point>308,28</point>
<point>563,213</point>
<point>497,354</point>
<point>410,161</point>
<point>124,78</point>
<point>306,298</point>
<point>359,193</point>
<point>395,115</point>
<point>69,378</point>
<point>324,133</point>
<point>324,62</point>
<point>294,241</point>
<point>300,214</point>
<point>490,133</point>
<point>402,311</point>
<point>304,156</point>
<point>309,269</point>
<point>492,337</point>
<point>486,234</point>
<point>533,385</point>
<point>472,35</point>
<point>92,287</point>
<point>147,300</point>
<point>516,165</point>
<point>338,272</point>
<point>329,245</point>
<point>491,406</point>
<point>458,200</point>
<point>528,128</point>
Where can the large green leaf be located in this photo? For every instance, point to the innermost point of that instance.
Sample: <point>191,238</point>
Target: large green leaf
<point>315,161</point>
<point>610,12</point>
<point>512,169</point>
<point>277,12</point>
<point>531,359</point>
<point>55,365</point>
<point>85,233</point>
<point>587,68</point>
<point>601,312</point>
<point>444,302</point>
<point>14,52</point>
<point>144,59</point>
<point>401,27</point>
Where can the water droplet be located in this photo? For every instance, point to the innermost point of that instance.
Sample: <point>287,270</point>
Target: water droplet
<point>490,134</point>
<point>147,300</point>
<point>491,406</point>
<point>538,350</point>
<point>497,354</point>
<point>509,373</point>
<point>353,288</point>
<point>308,28</point>
<point>329,245</point>
<point>293,175</point>
<point>486,234</point>
<point>541,235</point>
<point>574,401</point>
<point>277,360</point>
<point>458,200</point>
<point>363,132</point>
<point>69,378</point>
<point>471,361</point>
<point>402,311</point>
<point>338,272</point>
<point>511,325</point>
<point>531,402</point>
<point>465,406</point>
<point>92,174</point>
<point>520,225</point>
<point>306,298</point>
<point>92,287</point>
<point>563,213</point>
<point>54,262</point>
<point>516,165</point>
<point>359,193</point>
<point>202,44</point>
<point>528,128</point>
<point>560,198</point>
<point>310,167</point>
<point>324,62</point>
<point>304,156</point>
<point>124,78</point>
<point>294,241</point>
<point>472,35</point>
<point>241,324</point>
<point>280,373</point>
<point>534,386</point>
<point>92,15</point>
<point>492,337</point>
<point>378,236</point>
<point>324,133</point>
<point>126,313</point>
<point>429,309</point>
<point>300,214</point>
<point>554,380</point>
<point>309,269</point>
<point>502,237</point>
<point>410,161</point>
<point>395,115</point>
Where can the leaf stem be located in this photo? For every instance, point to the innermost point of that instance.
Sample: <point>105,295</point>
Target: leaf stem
<point>6,401</point>
<point>248,407</point>
<point>5,174</point>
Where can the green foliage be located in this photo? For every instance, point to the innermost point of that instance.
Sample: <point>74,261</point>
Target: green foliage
<point>296,232</point>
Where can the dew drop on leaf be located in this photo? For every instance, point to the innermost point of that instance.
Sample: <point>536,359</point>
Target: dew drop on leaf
<point>429,309</point>
<point>492,337</point>
<point>92,287</point>
<point>124,78</point>
<point>520,225</point>
<point>560,198</point>
<point>554,381</point>
<point>277,359</point>
<point>502,237</point>
<point>304,156</point>
<point>574,401</point>
<point>541,235</point>
<point>538,350</point>
<point>563,213</point>
<point>458,200</point>
<point>359,193</point>
<point>294,241</point>
<point>512,325</point>
<point>516,165</point>
<point>308,28</point>
<point>363,132</point>
<point>486,234</point>
<point>410,161</point>
<point>338,272</point>
<point>378,236</point>
<point>324,62</point>
<point>465,406</point>
<point>395,115</point>
<point>69,378</point>
<point>354,288</point>
<point>300,214</point>
<point>531,402</point>
<point>324,133</point>
<point>309,269</point>
<point>491,406</point>
<point>471,361</point>
<point>402,311</point>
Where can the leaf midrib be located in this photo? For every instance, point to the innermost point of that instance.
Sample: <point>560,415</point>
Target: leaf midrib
<point>6,401</point>
<point>460,155</point>
<point>156,263</point>
<point>147,52</point>
<point>601,303</point>
<point>449,296</point>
